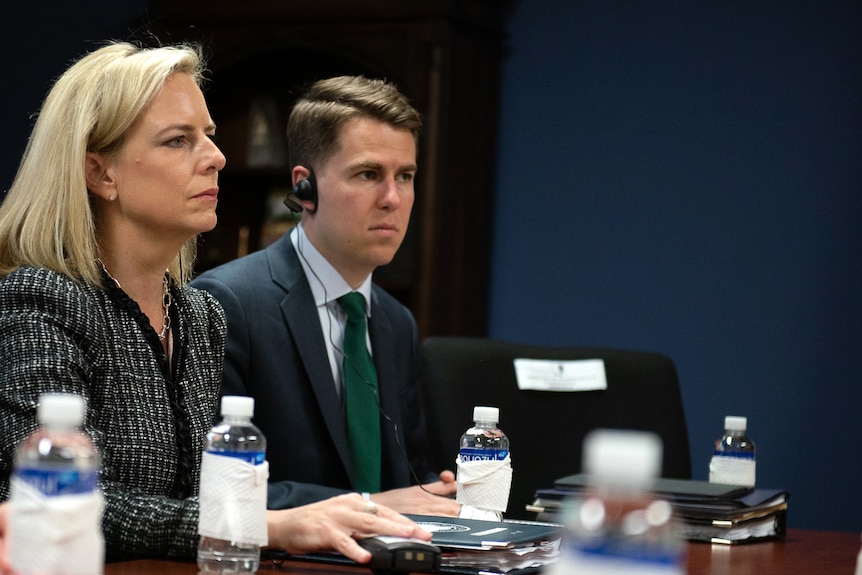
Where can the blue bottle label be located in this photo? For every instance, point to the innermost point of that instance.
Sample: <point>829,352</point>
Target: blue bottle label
<point>53,482</point>
<point>735,454</point>
<point>479,454</point>
<point>619,553</point>
<point>253,457</point>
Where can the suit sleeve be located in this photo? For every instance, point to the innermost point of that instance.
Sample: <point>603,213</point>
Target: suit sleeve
<point>415,430</point>
<point>238,346</point>
<point>238,353</point>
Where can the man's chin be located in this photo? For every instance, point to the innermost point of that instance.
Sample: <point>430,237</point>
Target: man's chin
<point>383,257</point>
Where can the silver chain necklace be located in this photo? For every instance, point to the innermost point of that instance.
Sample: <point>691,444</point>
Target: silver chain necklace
<point>167,299</point>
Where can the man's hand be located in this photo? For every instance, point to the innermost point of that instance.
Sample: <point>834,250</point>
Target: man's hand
<point>429,499</point>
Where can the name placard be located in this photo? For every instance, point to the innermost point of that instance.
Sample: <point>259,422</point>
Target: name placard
<point>556,375</point>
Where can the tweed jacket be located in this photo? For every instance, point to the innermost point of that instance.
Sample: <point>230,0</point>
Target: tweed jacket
<point>148,422</point>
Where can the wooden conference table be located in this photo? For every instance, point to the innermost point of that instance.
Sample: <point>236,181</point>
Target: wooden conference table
<point>801,552</point>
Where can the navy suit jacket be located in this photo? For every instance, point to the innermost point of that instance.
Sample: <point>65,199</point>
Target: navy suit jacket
<point>276,354</point>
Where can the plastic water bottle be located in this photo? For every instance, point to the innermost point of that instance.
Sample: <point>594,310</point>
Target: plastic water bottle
<point>235,436</point>
<point>484,440</point>
<point>733,461</point>
<point>484,468</point>
<point>618,527</point>
<point>55,506</point>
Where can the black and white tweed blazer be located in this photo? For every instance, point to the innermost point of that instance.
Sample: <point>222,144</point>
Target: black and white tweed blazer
<point>148,425</point>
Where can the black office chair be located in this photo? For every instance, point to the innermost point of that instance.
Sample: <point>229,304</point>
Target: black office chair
<point>546,429</point>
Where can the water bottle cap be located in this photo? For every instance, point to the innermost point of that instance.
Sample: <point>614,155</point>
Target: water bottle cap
<point>612,455</point>
<point>238,405</point>
<point>735,423</point>
<point>483,413</point>
<point>60,409</point>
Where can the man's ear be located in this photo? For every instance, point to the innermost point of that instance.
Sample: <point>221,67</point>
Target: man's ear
<point>100,181</point>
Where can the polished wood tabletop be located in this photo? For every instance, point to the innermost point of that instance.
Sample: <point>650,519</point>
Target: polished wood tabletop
<point>801,552</point>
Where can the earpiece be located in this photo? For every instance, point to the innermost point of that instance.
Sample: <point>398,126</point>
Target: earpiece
<point>304,190</point>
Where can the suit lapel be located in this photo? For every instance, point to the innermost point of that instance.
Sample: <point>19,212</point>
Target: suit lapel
<point>301,317</point>
<point>381,332</point>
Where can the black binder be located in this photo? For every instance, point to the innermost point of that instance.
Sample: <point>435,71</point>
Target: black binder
<point>712,512</point>
<point>473,546</point>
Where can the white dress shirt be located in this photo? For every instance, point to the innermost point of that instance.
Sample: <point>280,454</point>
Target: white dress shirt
<point>327,286</point>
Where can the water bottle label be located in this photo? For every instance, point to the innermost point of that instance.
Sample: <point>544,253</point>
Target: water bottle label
<point>636,553</point>
<point>736,454</point>
<point>605,561</point>
<point>53,482</point>
<point>479,454</point>
<point>253,457</point>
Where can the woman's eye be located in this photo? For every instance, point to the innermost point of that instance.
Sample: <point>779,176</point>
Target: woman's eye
<point>177,141</point>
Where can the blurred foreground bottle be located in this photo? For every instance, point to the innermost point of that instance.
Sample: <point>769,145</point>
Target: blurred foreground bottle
<point>733,461</point>
<point>55,506</point>
<point>618,527</point>
<point>234,473</point>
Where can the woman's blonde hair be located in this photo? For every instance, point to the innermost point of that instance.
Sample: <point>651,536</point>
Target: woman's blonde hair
<point>47,219</point>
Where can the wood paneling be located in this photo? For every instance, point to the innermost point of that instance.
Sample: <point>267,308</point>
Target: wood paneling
<point>445,55</point>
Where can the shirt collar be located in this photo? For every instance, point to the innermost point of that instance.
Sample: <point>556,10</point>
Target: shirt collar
<point>326,283</point>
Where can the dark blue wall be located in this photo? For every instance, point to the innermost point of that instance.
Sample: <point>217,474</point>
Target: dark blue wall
<point>38,40</point>
<point>686,177</point>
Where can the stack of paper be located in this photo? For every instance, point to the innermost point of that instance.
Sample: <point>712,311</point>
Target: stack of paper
<point>709,512</point>
<point>473,546</point>
<point>498,546</point>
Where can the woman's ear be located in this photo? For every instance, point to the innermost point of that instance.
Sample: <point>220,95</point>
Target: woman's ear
<point>99,179</point>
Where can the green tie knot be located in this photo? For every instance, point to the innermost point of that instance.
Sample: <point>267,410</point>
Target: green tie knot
<point>353,305</point>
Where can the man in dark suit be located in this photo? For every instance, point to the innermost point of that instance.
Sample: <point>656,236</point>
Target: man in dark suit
<point>352,144</point>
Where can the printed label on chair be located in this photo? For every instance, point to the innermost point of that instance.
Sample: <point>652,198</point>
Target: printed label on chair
<point>556,375</point>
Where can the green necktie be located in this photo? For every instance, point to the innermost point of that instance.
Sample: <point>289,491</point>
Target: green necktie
<point>360,391</point>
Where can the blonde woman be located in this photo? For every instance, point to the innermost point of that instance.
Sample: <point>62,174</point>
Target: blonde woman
<point>97,243</point>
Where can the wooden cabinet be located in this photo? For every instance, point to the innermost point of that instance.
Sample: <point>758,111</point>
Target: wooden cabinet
<point>444,55</point>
